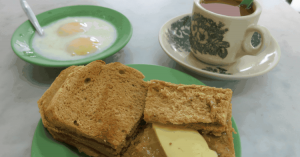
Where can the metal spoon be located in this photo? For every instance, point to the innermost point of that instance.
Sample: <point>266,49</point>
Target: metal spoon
<point>31,16</point>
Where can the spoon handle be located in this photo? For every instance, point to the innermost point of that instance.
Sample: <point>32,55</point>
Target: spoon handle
<point>31,16</point>
<point>247,3</point>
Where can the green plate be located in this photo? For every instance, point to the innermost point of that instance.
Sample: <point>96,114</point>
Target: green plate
<point>43,145</point>
<point>26,31</point>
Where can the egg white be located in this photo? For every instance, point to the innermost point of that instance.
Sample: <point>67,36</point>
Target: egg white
<point>53,46</point>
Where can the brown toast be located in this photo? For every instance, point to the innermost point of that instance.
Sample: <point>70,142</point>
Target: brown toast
<point>81,147</point>
<point>54,104</point>
<point>88,146</point>
<point>46,98</point>
<point>146,144</point>
<point>223,144</point>
<point>192,106</point>
<point>93,144</point>
<point>98,102</point>
<point>142,146</point>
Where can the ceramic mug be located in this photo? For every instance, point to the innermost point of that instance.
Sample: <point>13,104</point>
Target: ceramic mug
<point>221,40</point>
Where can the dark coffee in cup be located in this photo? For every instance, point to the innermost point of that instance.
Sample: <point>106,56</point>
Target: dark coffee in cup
<point>227,7</point>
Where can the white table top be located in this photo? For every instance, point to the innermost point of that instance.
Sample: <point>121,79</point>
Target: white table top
<point>266,108</point>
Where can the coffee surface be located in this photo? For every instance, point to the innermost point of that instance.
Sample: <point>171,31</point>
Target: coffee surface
<point>226,7</point>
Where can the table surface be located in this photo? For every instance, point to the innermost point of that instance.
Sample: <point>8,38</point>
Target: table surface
<point>266,108</point>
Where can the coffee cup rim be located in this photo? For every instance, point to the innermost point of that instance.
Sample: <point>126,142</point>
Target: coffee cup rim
<point>257,11</point>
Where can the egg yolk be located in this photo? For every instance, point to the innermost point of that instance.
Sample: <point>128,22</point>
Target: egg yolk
<point>82,46</point>
<point>69,29</point>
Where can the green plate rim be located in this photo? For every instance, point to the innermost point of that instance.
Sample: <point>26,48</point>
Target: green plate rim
<point>237,142</point>
<point>120,42</point>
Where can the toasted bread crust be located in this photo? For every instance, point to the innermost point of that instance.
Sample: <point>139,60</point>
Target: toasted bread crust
<point>187,105</point>
<point>44,101</point>
<point>142,145</point>
<point>91,143</point>
<point>93,102</point>
<point>81,147</point>
<point>223,144</point>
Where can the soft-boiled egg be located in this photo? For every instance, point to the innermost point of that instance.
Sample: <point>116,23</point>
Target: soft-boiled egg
<point>70,28</point>
<point>82,46</point>
<point>74,38</point>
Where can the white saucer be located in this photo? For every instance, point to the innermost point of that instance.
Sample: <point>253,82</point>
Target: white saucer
<point>174,39</point>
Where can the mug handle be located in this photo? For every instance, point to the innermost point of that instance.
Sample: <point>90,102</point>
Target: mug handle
<point>265,41</point>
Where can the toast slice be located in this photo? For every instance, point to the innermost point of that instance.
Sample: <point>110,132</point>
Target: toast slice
<point>46,98</point>
<point>192,106</point>
<point>146,144</point>
<point>89,150</point>
<point>98,102</point>
<point>91,143</point>
<point>223,144</point>
<point>81,147</point>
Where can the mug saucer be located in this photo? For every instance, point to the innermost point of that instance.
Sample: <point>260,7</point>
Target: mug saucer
<point>174,39</point>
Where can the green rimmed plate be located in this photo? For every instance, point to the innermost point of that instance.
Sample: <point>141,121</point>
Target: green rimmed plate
<point>43,145</point>
<point>22,37</point>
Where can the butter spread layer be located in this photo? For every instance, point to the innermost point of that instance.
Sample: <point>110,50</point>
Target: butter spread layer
<point>179,142</point>
<point>164,141</point>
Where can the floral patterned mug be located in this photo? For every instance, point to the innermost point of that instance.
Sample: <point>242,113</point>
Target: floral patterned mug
<point>221,40</point>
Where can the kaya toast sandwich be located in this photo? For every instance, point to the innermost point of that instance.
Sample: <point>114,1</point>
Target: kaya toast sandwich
<point>223,144</point>
<point>98,106</point>
<point>146,144</point>
<point>192,106</point>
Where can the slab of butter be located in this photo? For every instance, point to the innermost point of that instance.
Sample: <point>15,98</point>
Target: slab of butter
<point>178,142</point>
